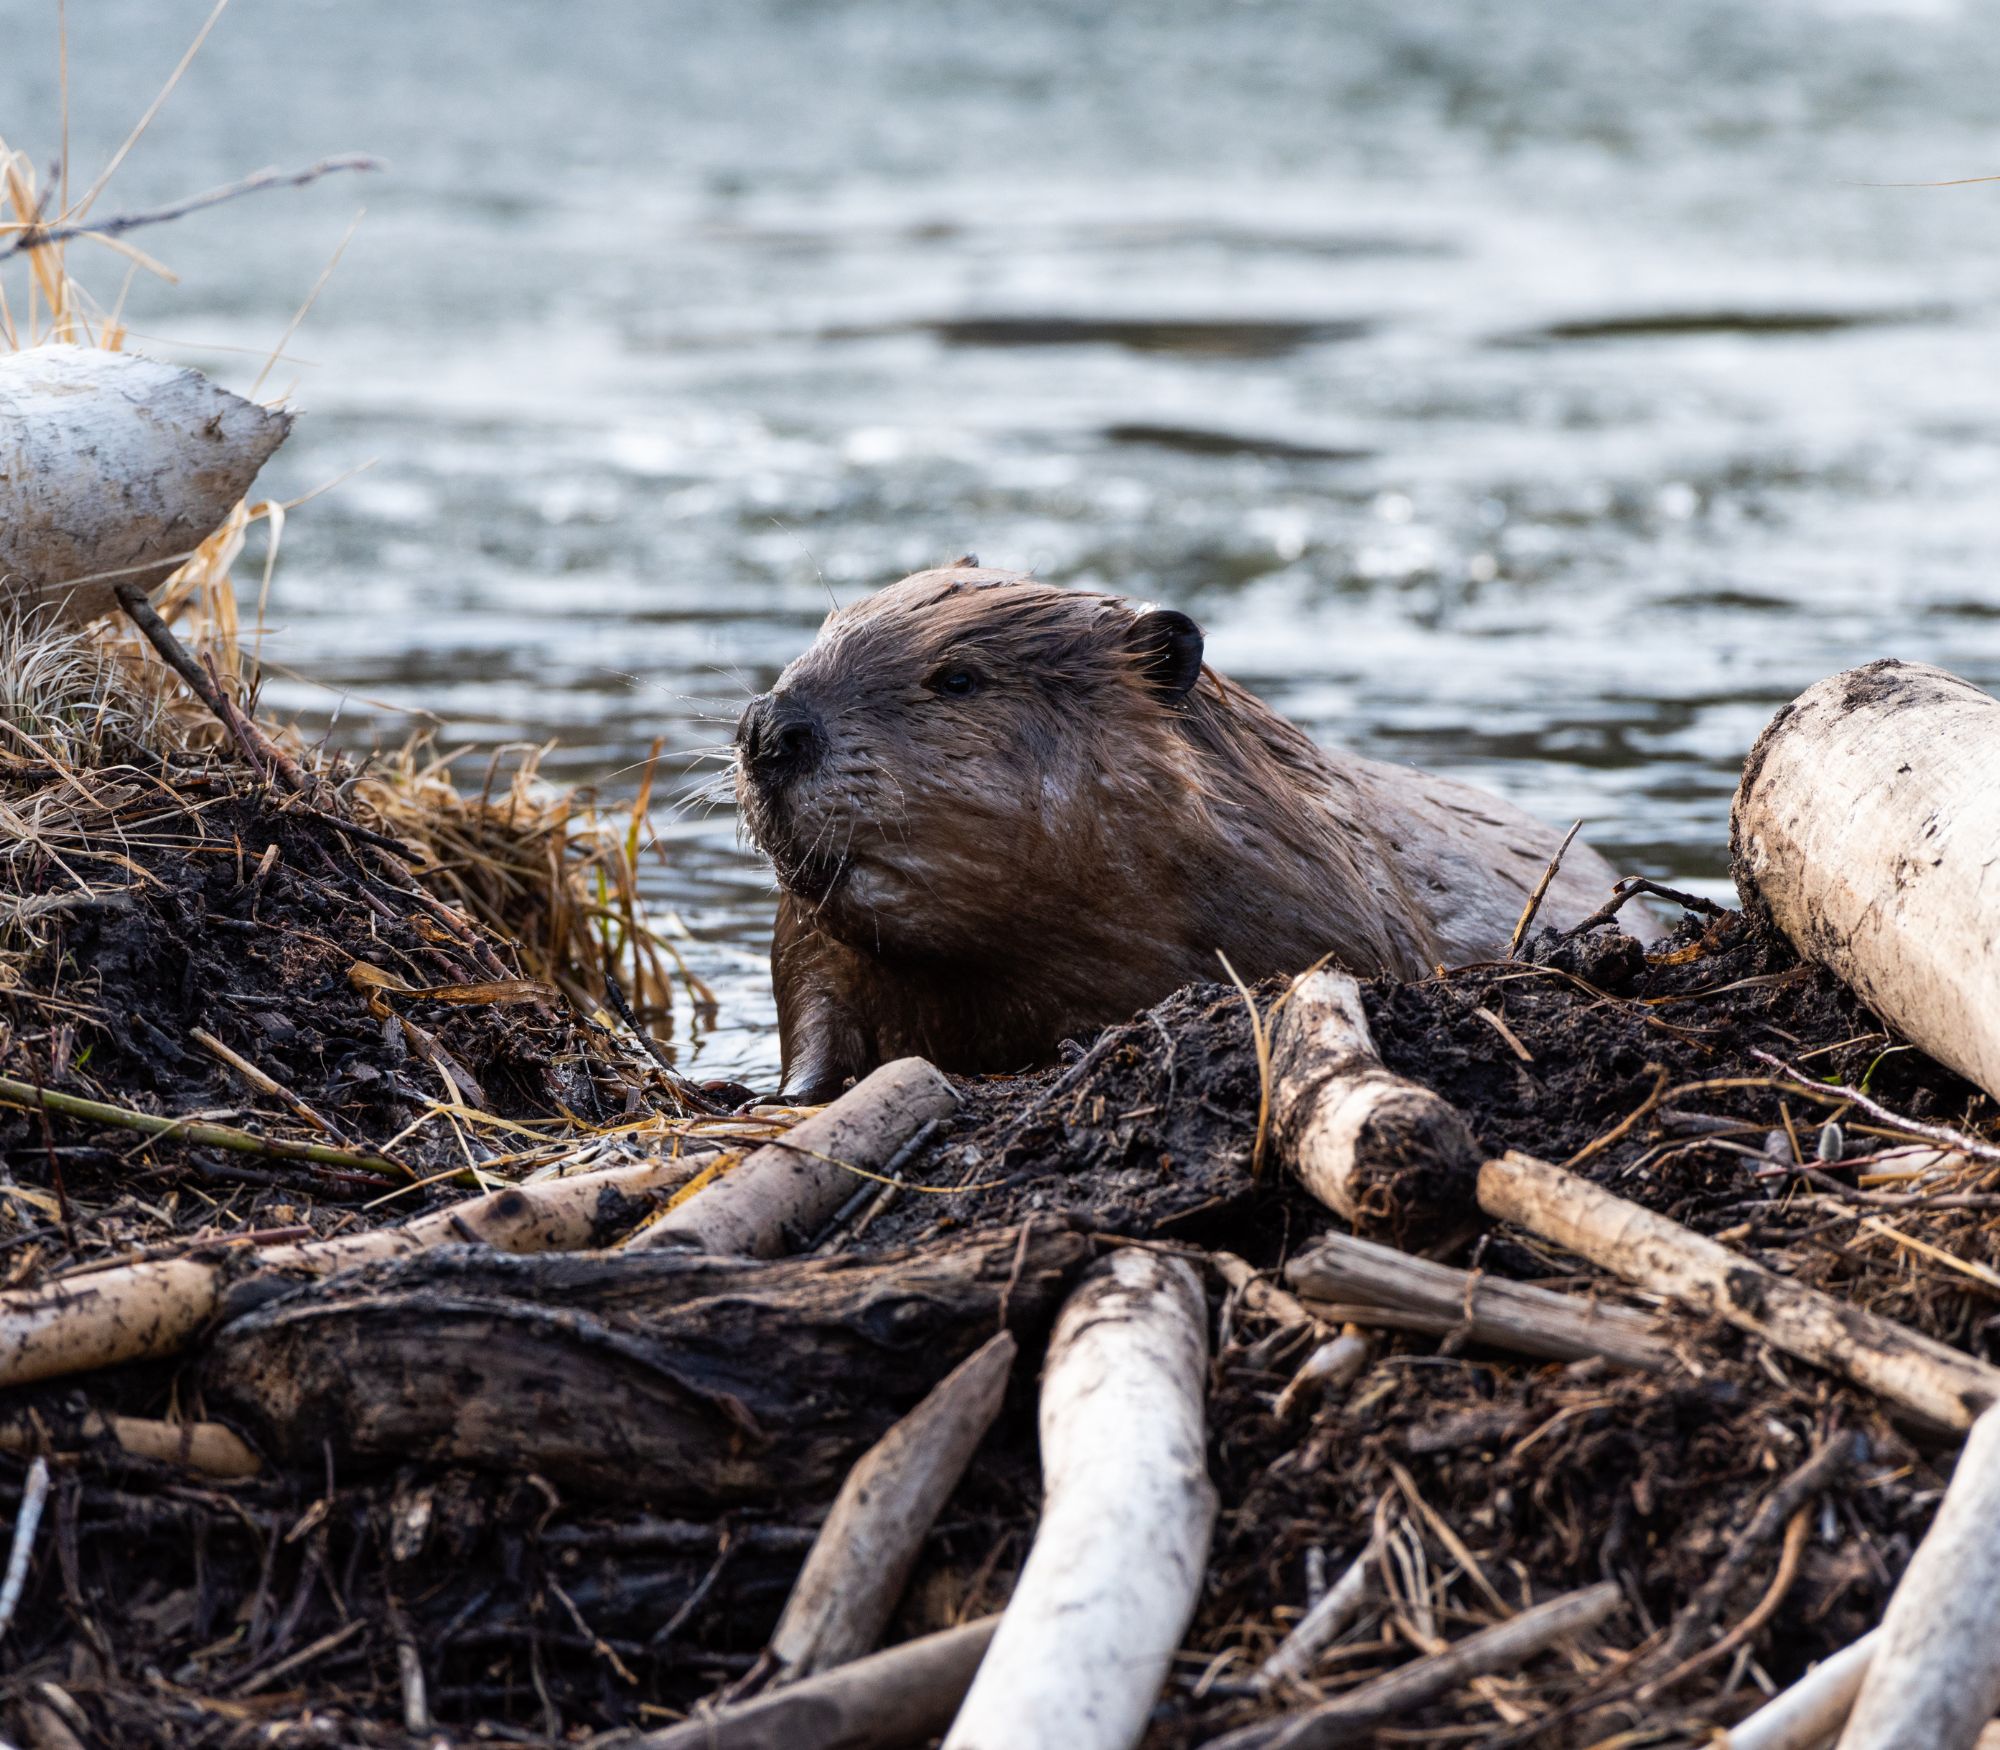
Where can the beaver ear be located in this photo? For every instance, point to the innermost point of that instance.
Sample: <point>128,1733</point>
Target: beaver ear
<point>1168,646</point>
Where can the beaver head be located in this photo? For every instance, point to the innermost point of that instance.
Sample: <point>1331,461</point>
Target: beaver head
<point>955,745</point>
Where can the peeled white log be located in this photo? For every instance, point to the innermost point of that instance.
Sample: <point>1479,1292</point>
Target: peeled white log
<point>112,463</point>
<point>1387,1155</point>
<point>1490,1309</point>
<point>1935,1677</point>
<point>1867,824</point>
<point>902,1696</point>
<point>133,1311</point>
<point>1935,1382</point>
<point>848,1588</point>
<point>1116,1567</point>
<point>786,1191</point>
<point>1809,1713</point>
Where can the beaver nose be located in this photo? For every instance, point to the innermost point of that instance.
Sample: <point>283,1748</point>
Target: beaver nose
<point>780,738</point>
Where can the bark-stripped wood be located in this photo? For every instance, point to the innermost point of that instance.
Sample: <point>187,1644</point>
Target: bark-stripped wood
<point>134,1311</point>
<point>207,1447</point>
<point>848,1588</point>
<point>111,463</point>
<point>1810,1712</point>
<point>1935,1677</point>
<point>1490,1309</point>
<point>1867,826</point>
<point>1117,1561</point>
<point>788,1190</point>
<point>1933,1381</point>
<point>903,1696</point>
<point>685,1379</point>
<point>1390,1157</point>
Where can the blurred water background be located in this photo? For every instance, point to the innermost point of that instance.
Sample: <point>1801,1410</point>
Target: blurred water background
<point>1539,393</point>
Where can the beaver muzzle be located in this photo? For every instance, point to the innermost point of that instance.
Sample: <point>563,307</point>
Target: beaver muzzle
<point>781,739</point>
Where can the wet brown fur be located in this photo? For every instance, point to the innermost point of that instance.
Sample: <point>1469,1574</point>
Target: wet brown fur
<point>976,879</point>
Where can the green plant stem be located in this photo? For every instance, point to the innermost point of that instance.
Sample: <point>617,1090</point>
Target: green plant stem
<point>195,1130</point>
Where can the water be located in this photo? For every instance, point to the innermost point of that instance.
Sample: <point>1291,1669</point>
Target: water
<point>1538,394</point>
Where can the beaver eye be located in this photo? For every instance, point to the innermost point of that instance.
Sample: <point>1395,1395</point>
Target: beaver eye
<point>954,682</point>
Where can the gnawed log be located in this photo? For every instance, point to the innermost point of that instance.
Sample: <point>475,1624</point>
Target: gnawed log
<point>1387,1155</point>
<point>686,1379</point>
<point>1933,1381</point>
<point>787,1190</point>
<point>134,1311</point>
<point>903,1696</point>
<point>1809,1713</point>
<point>848,1588</point>
<point>1490,1309</point>
<point>113,469</point>
<point>1116,1566</point>
<point>1347,1719</point>
<point>1935,1677</point>
<point>1865,826</point>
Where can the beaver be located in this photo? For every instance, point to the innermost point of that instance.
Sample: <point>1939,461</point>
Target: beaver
<point>1005,813</point>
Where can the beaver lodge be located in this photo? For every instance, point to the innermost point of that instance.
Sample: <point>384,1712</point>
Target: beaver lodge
<point>1592,1347</point>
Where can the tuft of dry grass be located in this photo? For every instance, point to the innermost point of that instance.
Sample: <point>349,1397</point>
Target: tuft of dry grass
<point>70,698</point>
<point>540,864</point>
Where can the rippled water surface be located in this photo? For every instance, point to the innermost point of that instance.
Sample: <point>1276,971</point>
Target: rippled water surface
<point>1538,393</point>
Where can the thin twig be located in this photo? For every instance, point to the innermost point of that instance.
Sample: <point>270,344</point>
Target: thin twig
<point>257,747</point>
<point>1761,1613</point>
<point>30,1516</point>
<point>1941,1134</point>
<point>40,236</point>
<point>197,1130</point>
<point>1629,889</point>
<point>1625,1125</point>
<point>1541,891</point>
<point>1819,1472</point>
<point>263,1083</point>
<point>1321,1626</point>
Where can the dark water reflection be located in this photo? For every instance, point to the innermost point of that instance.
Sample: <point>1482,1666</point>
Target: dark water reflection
<point>1541,394</point>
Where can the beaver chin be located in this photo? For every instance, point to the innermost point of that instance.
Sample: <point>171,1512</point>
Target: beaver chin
<point>815,876</point>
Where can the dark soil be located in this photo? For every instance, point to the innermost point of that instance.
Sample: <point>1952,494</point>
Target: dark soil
<point>284,937</point>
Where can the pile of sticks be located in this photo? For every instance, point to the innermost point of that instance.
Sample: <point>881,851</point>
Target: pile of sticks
<point>669,1330</point>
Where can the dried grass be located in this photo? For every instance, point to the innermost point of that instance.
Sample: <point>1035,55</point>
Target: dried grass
<point>540,865</point>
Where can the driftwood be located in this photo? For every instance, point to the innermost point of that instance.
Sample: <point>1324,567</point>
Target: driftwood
<point>1348,1718</point>
<point>1117,1561</point>
<point>686,1379</point>
<point>786,1191</point>
<point>1865,825</point>
<point>1490,1309</point>
<point>1388,1156</point>
<point>1936,1383</point>
<point>133,1311</point>
<point>1809,1713</point>
<point>113,469</point>
<point>848,1588</point>
<point>1935,1677</point>
<point>903,1696</point>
